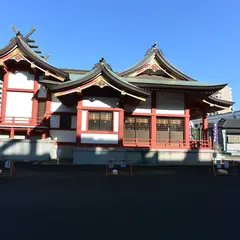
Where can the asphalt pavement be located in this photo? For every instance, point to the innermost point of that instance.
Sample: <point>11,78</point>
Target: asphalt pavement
<point>163,203</point>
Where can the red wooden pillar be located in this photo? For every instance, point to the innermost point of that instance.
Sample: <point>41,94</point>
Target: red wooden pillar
<point>186,128</point>
<point>35,98</point>
<point>28,132</point>
<point>44,135</point>
<point>121,127</point>
<point>79,122</point>
<point>48,109</point>
<point>12,133</point>
<point>205,126</point>
<point>153,121</point>
<point>4,96</point>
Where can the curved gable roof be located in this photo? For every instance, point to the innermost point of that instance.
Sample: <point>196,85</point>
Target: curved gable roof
<point>113,78</point>
<point>22,43</point>
<point>155,53</point>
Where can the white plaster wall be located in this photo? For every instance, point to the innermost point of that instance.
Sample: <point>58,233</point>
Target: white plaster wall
<point>170,103</point>
<point>57,106</point>
<point>99,138</point>
<point>63,135</point>
<point>19,104</point>
<point>100,102</point>
<point>143,107</point>
<point>84,120</point>
<point>233,147</point>
<point>54,121</point>
<point>74,122</point>
<point>115,121</point>
<point>42,92</point>
<point>19,137</point>
<point>4,136</point>
<point>21,79</point>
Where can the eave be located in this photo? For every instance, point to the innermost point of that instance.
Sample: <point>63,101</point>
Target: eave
<point>5,50</point>
<point>19,43</point>
<point>173,84</point>
<point>219,102</point>
<point>92,78</point>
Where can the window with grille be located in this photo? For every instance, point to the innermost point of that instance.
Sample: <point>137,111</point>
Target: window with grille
<point>170,129</point>
<point>234,139</point>
<point>100,121</point>
<point>137,127</point>
<point>41,109</point>
<point>65,121</point>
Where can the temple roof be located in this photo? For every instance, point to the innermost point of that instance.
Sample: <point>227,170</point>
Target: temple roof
<point>220,102</point>
<point>153,71</point>
<point>101,69</point>
<point>155,53</point>
<point>228,124</point>
<point>22,43</point>
<point>170,83</point>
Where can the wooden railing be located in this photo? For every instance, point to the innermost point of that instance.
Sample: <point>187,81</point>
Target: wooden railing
<point>171,143</point>
<point>141,142</point>
<point>195,144</point>
<point>20,121</point>
<point>137,142</point>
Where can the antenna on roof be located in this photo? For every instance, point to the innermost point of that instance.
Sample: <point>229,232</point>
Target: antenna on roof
<point>15,30</point>
<point>30,32</point>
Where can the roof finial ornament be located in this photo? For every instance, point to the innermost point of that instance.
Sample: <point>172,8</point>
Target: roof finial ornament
<point>102,61</point>
<point>154,46</point>
<point>15,30</point>
<point>30,32</point>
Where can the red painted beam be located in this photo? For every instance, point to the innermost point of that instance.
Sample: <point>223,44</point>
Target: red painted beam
<point>4,95</point>
<point>153,120</point>
<point>79,122</point>
<point>186,127</point>
<point>35,98</point>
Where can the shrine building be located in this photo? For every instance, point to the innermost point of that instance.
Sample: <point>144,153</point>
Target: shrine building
<point>141,114</point>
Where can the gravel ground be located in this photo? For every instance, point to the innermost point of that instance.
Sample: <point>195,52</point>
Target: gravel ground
<point>163,203</point>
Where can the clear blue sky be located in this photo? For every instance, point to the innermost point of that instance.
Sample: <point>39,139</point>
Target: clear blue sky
<point>201,38</point>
